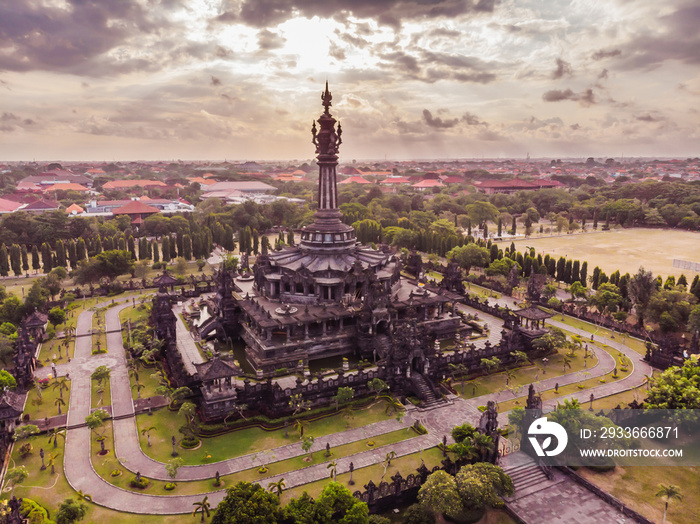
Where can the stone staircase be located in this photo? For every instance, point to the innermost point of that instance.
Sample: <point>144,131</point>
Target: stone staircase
<point>424,391</point>
<point>526,475</point>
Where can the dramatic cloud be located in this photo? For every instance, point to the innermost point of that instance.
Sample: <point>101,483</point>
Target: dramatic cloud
<point>265,13</point>
<point>585,98</point>
<point>35,36</point>
<point>438,122</point>
<point>563,69</point>
<point>600,55</point>
<point>267,40</point>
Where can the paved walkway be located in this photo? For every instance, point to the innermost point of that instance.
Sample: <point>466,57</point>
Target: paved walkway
<point>439,421</point>
<point>185,343</point>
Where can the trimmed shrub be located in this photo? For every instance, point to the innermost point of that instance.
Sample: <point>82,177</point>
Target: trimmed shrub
<point>140,484</point>
<point>170,486</point>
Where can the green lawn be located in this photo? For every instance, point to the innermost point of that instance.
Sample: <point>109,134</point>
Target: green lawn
<point>523,376</point>
<point>150,384</point>
<point>245,441</point>
<point>406,465</point>
<point>104,465</point>
<point>50,490</point>
<point>50,349</point>
<point>48,407</point>
<point>633,343</point>
<point>581,385</point>
<point>637,487</point>
<point>136,315</point>
<point>481,291</point>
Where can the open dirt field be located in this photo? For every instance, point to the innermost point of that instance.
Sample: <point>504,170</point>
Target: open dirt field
<point>623,249</point>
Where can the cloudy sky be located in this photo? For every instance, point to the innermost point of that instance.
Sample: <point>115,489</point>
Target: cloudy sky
<point>241,79</point>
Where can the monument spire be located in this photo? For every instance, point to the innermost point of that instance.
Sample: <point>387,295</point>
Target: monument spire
<point>328,217</point>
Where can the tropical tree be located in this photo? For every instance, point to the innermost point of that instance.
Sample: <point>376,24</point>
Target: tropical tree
<point>277,487</point>
<point>483,484</point>
<point>70,511</point>
<point>667,493</point>
<point>344,394</point>
<point>147,433</point>
<point>307,443</point>
<point>439,495</point>
<point>138,387</point>
<point>461,370</point>
<point>333,467</point>
<point>189,411</point>
<point>95,421</point>
<point>55,433</point>
<point>16,475</point>
<point>490,364</point>
<point>25,431</point>
<point>172,466</point>
<point>203,507</point>
<point>59,402</point>
<point>248,503</point>
<point>51,462</point>
<point>567,362</point>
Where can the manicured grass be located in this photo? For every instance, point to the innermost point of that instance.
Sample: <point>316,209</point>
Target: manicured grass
<point>95,396</point>
<point>51,348</point>
<point>150,384</point>
<point>637,487</point>
<point>523,376</point>
<point>136,315</point>
<point>550,394</point>
<point>622,399</point>
<point>481,291</point>
<point>48,407</point>
<point>35,488</point>
<point>406,465</point>
<point>623,249</point>
<point>632,342</point>
<point>245,441</point>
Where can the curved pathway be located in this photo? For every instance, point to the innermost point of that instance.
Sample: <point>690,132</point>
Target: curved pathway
<point>439,421</point>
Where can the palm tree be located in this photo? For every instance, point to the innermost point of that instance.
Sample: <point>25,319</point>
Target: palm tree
<point>60,385</point>
<point>668,493</point>
<point>510,375</point>
<point>393,406</point>
<point>464,450</point>
<point>566,362</point>
<point>52,462</point>
<point>54,434</point>
<point>482,443</point>
<point>138,388</point>
<point>460,369</point>
<point>277,487</point>
<point>59,402</point>
<point>203,507</point>
<point>333,467</point>
<point>300,426</point>
<point>147,432</point>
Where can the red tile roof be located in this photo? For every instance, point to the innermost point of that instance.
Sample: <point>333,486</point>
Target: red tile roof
<point>135,208</point>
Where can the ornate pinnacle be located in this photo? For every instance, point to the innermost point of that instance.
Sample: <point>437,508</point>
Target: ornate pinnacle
<point>326,97</point>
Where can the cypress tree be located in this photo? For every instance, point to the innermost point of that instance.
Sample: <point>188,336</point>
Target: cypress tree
<point>155,250</point>
<point>46,257</point>
<point>561,268</point>
<point>197,246</point>
<point>131,245</point>
<point>98,245</point>
<point>623,285</point>
<point>25,258</point>
<point>173,248</point>
<point>682,281</point>
<point>186,247</point>
<point>4,262</point>
<point>494,252</point>
<point>166,249</point>
<point>695,287</point>
<point>595,277</point>
<point>80,252</point>
<point>16,259</point>
<point>469,227</point>
<point>179,243</point>
<point>60,253</point>
<point>584,274</point>
<point>514,227</point>
<point>595,223</point>
<point>36,265</point>
<point>149,249</point>
<point>290,237</point>
<point>567,271</point>
<point>500,226</point>
<point>72,254</point>
<point>527,266</point>
<point>143,248</point>
<point>121,243</point>
<point>576,272</point>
